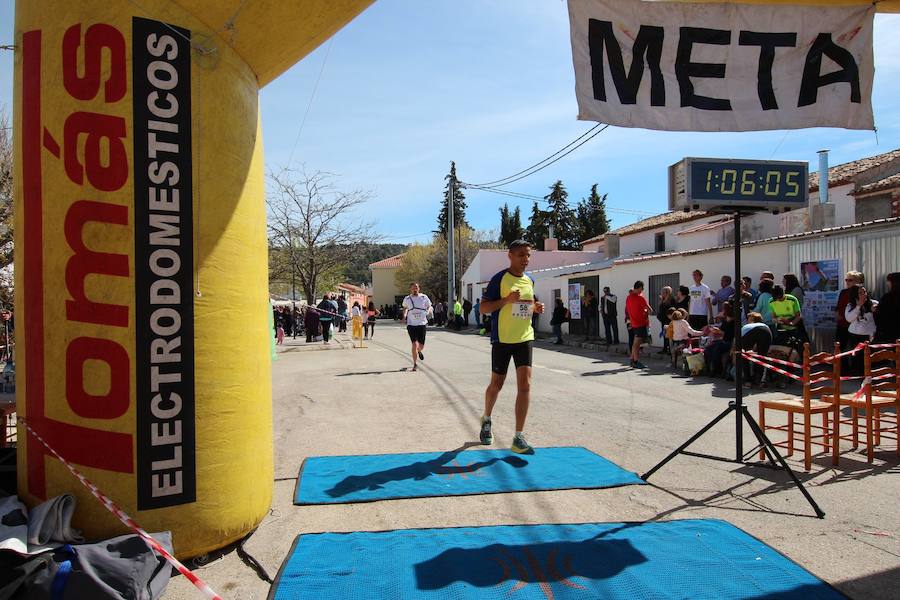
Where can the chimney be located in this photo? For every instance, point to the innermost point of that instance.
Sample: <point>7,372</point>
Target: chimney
<point>612,245</point>
<point>551,244</point>
<point>823,176</point>
<point>823,212</point>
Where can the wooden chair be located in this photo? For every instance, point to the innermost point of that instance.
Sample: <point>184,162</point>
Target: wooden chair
<point>821,390</point>
<point>882,366</point>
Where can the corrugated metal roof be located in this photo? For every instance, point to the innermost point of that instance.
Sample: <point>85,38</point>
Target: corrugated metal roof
<point>387,263</point>
<point>841,174</point>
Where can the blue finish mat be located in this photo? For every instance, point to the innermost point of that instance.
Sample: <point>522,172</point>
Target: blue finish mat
<point>340,479</point>
<point>694,559</point>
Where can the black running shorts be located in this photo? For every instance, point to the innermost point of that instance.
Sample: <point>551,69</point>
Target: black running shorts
<point>501,353</point>
<point>640,332</point>
<point>416,333</point>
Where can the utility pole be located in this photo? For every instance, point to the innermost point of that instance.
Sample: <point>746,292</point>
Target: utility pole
<point>451,262</point>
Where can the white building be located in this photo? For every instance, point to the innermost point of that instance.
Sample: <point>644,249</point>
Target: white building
<point>858,227</point>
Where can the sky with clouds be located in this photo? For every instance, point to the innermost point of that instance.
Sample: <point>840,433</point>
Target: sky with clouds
<point>409,86</point>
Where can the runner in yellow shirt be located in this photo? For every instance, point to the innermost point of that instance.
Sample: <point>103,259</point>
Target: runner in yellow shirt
<point>509,299</point>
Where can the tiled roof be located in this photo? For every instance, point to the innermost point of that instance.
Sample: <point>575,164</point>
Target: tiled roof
<point>669,218</point>
<point>789,236</point>
<point>706,226</point>
<point>388,263</point>
<point>841,174</point>
<point>884,184</point>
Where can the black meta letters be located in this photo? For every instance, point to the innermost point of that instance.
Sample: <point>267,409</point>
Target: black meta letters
<point>812,77</point>
<point>767,43</point>
<point>647,45</point>
<point>685,69</point>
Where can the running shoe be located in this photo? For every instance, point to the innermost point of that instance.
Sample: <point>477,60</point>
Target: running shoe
<point>487,438</point>
<point>520,446</point>
<point>421,356</point>
<point>638,365</point>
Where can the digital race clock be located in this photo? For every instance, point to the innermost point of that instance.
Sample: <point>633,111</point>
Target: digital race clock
<point>726,185</point>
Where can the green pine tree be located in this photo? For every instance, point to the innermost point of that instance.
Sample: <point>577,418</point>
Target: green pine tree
<point>537,228</point>
<point>515,225</point>
<point>504,225</point>
<point>459,205</point>
<point>562,217</point>
<point>591,215</point>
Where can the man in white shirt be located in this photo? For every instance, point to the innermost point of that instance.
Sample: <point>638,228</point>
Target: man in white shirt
<point>415,312</point>
<point>700,308</point>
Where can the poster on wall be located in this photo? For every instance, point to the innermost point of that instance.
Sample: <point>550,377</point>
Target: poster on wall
<point>820,280</point>
<point>575,300</point>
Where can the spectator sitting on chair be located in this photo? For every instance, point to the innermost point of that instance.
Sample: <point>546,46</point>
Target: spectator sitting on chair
<point>717,352</point>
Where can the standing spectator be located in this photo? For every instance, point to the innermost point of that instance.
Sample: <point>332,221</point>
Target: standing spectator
<point>683,298</point>
<point>467,309</point>
<point>724,293</point>
<point>700,310</point>
<point>279,325</point>
<point>439,314</point>
<point>589,313</point>
<point>748,282</point>
<point>638,312</point>
<point>476,308</point>
<point>342,311</point>
<point>851,280</point>
<point>457,315</point>
<point>610,313</point>
<point>887,317</point>
<point>767,275</point>
<point>557,319</point>
<point>792,287</point>
<point>311,322</point>
<point>371,316</point>
<point>756,336</point>
<point>327,307</point>
<point>861,318</point>
<point>535,317</point>
<point>666,301</point>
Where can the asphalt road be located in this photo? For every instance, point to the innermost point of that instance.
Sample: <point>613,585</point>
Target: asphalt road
<point>367,401</point>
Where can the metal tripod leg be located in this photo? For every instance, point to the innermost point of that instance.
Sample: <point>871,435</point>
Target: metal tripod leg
<point>694,438</point>
<point>761,436</point>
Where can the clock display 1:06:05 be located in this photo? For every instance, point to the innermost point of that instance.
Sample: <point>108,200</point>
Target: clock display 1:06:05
<point>750,182</point>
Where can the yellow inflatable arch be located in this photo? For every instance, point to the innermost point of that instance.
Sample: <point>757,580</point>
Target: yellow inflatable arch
<point>141,263</point>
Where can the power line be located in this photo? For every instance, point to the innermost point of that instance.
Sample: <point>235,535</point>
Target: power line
<point>626,211</point>
<point>311,98</point>
<point>499,181</point>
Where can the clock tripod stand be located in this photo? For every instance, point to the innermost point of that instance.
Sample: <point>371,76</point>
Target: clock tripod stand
<point>737,406</point>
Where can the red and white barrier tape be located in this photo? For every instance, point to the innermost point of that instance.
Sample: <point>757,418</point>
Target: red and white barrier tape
<point>128,521</point>
<point>774,360</point>
<point>858,347</point>
<point>771,368</point>
<point>867,382</point>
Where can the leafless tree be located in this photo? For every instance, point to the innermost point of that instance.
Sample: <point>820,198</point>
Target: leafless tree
<point>312,226</point>
<point>6,208</point>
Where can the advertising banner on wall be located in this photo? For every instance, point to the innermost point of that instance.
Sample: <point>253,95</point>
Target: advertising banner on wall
<point>722,67</point>
<point>575,300</point>
<point>820,281</point>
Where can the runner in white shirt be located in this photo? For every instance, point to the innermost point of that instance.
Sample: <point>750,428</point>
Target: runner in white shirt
<point>700,311</point>
<point>416,307</point>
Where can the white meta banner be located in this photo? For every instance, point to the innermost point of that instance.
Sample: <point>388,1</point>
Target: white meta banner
<point>722,67</point>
